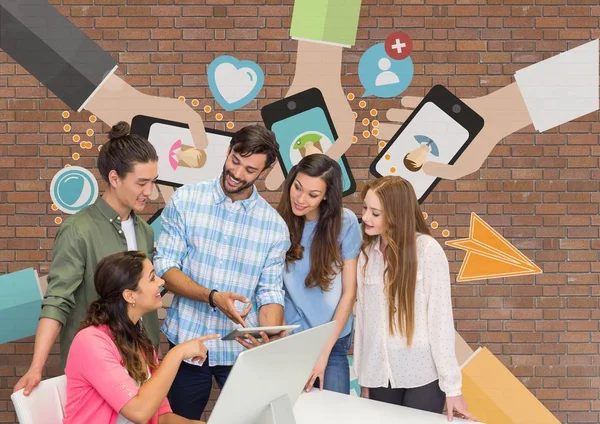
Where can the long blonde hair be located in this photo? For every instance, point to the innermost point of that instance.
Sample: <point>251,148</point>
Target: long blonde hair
<point>403,220</point>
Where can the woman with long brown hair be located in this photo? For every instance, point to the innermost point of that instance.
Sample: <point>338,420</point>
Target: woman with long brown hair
<point>404,343</point>
<point>112,370</point>
<point>320,274</point>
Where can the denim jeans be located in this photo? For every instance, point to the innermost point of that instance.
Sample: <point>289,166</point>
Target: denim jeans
<point>337,372</point>
<point>190,391</point>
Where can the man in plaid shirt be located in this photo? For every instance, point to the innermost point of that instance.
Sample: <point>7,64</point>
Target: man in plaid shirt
<point>221,245</point>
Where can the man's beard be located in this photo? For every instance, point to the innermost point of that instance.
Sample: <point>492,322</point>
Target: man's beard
<point>245,185</point>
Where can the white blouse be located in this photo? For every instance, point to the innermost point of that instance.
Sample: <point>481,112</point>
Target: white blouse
<point>380,358</point>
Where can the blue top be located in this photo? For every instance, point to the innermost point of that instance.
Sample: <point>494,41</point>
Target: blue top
<point>310,307</point>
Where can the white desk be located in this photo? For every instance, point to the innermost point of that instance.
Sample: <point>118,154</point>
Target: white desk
<point>327,407</point>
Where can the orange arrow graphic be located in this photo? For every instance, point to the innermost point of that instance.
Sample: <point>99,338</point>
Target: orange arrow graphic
<point>489,255</point>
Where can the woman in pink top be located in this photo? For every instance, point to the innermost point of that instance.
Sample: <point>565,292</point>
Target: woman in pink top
<point>112,359</point>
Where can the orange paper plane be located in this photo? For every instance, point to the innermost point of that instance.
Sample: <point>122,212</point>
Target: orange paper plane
<point>489,255</point>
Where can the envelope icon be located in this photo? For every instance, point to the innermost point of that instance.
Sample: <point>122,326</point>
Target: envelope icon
<point>489,255</point>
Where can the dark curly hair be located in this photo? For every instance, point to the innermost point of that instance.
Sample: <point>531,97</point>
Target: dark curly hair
<point>115,274</point>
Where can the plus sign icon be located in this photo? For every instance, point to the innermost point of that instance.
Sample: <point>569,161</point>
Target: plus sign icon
<point>398,45</point>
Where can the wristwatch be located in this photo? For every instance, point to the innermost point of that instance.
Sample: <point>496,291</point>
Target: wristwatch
<point>210,298</point>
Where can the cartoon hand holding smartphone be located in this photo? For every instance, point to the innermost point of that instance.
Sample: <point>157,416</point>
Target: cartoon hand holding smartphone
<point>179,161</point>
<point>303,126</point>
<point>439,129</point>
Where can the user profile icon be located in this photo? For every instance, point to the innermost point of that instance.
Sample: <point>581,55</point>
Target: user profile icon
<point>383,76</point>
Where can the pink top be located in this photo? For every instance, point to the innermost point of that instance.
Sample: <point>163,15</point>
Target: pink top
<point>98,385</point>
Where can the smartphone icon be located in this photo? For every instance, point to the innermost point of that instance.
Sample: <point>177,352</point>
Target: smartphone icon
<point>179,162</point>
<point>303,126</point>
<point>439,130</point>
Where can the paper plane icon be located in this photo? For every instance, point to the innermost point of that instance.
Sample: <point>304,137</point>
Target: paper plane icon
<point>489,255</point>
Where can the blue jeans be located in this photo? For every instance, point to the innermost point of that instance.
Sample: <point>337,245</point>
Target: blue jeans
<point>337,372</point>
<point>191,388</point>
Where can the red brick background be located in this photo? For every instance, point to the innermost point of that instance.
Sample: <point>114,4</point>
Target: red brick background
<point>538,190</point>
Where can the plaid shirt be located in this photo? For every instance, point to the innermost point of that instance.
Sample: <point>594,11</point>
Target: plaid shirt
<point>229,246</point>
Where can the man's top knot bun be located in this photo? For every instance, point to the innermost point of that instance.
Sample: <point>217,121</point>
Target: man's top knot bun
<point>120,129</point>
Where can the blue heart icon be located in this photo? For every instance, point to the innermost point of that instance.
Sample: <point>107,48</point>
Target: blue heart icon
<point>234,83</point>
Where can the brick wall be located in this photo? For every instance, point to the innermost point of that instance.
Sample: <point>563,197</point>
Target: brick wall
<point>539,190</point>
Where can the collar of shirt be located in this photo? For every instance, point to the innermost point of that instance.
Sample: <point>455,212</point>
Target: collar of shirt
<point>110,214</point>
<point>375,247</point>
<point>221,197</point>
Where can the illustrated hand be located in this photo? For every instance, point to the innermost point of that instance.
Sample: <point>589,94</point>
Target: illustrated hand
<point>164,190</point>
<point>225,301</point>
<point>458,404</point>
<point>29,381</point>
<point>319,65</point>
<point>317,372</point>
<point>116,101</point>
<point>252,342</point>
<point>504,113</point>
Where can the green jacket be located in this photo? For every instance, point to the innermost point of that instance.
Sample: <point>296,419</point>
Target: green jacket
<point>81,242</point>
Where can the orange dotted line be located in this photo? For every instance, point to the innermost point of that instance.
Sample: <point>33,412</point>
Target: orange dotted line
<point>371,125</point>
<point>435,225</point>
<point>86,144</point>
<point>208,109</point>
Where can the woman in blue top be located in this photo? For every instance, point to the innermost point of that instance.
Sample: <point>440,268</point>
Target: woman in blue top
<point>320,274</point>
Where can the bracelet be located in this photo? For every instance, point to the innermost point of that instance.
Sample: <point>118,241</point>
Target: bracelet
<point>210,298</point>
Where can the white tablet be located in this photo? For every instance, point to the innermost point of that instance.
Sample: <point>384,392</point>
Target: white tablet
<point>255,331</point>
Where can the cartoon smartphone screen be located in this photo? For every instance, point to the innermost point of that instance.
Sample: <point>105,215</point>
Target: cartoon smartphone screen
<point>303,126</point>
<point>179,162</point>
<point>438,130</point>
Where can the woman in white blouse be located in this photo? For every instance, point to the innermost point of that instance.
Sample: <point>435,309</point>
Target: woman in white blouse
<point>404,342</point>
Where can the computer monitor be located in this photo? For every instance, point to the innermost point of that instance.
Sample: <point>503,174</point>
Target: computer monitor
<point>266,381</point>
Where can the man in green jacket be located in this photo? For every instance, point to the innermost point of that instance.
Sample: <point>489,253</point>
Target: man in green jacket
<point>128,164</point>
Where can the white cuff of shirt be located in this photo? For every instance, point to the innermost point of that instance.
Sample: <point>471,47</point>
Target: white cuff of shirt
<point>454,393</point>
<point>561,88</point>
<point>322,42</point>
<point>108,74</point>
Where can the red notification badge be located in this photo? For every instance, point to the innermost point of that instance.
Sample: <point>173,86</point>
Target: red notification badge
<point>398,45</point>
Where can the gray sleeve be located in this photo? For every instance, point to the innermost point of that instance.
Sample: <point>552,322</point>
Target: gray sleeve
<point>56,52</point>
